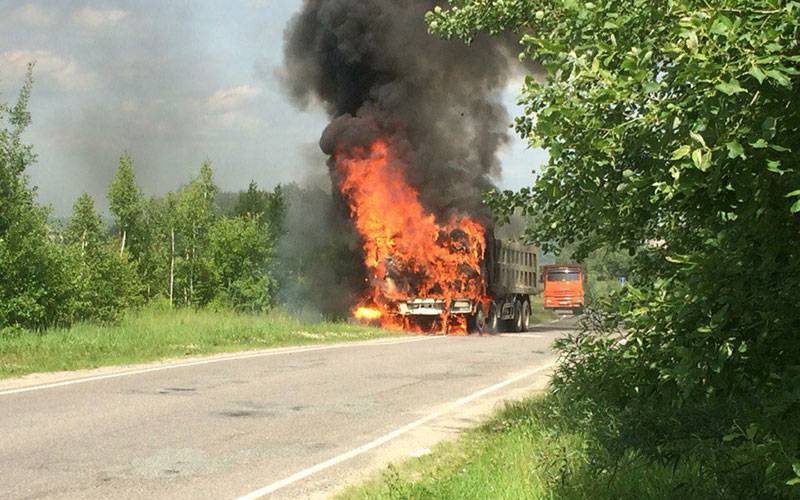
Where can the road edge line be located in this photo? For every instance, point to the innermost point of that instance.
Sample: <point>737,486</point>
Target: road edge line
<point>234,357</point>
<point>300,475</point>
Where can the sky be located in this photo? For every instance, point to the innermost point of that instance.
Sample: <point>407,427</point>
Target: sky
<point>172,83</point>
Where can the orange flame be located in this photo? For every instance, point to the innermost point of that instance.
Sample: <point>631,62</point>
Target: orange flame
<point>367,313</point>
<point>407,252</point>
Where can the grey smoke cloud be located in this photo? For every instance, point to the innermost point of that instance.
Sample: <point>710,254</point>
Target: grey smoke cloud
<point>172,83</point>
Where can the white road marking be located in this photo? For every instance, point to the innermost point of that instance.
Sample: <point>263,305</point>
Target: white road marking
<point>236,357</point>
<point>523,335</point>
<point>298,476</point>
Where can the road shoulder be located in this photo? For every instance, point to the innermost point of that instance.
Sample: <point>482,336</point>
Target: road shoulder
<point>38,380</point>
<point>447,426</point>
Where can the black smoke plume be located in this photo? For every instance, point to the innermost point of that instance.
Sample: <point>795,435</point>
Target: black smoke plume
<point>379,73</point>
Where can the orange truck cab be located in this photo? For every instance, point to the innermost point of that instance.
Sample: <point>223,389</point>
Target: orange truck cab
<point>563,286</point>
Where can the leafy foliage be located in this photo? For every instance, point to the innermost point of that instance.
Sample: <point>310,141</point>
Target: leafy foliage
<point>672,129</point>
<point>180,243</point>
<point>84,228</point>
<point>125,199</point>
<point>35,287</point>
<point>241,251</point>
<point>105,281</point>
<point>268,208</point>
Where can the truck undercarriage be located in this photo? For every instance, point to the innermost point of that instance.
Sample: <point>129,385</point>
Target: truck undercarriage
<point>508,313</point>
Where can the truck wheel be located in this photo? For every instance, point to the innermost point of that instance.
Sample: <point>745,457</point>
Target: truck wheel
<point>526,316</point>
<point>476,323</point>
<point>493,323</point>
<point>517,321</point>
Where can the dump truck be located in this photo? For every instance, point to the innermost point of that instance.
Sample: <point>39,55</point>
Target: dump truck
<point>511,270</point>
<point>563,287</point>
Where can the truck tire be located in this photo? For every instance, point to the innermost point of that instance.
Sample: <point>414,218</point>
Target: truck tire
<point>526,316</point>
<point>476,323</point>
<point>493,321</point>
<point>516,324</point>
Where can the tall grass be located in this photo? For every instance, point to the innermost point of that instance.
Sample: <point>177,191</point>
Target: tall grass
<point>527,452</point>
<point>154,333</point>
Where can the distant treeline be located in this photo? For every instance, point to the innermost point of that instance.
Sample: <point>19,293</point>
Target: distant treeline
<point>182,248</point>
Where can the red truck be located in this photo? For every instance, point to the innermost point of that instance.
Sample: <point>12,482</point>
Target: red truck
<point>563,287</point>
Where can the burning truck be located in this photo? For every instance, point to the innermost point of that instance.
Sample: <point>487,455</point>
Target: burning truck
<point>509,271</point>
<point>415,127</point>
<point>424,274</point>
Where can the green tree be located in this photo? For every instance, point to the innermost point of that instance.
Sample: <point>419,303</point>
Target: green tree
<point>268,208</point>
<point>253,202</point>
<point>126,201</point>
<point>155,263</point>
<point>241,256</point>
<point>277,207</point>
<point>35,288</point>
<point>672,129</point>
<point>194,216</point>
<point>105,281</point>
<point>85,227</point>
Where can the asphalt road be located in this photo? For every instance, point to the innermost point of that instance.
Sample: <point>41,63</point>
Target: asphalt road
<point>289,423</point>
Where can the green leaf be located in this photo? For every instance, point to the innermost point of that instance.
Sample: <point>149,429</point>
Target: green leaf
<point>756,73</point>
<point>796,480</point>
<point>651,87</point>
<point>730,88</point>
<point>795,207</point>
<point>759,144</point>
<point>735,150</point>
<point>700,160</point>
<point>796,192</point>
<point>699,138</point>
<point>691,40</point>
<point>727,438</point>
<point>721,26</point>
<point>779,77</point>
<point>681,152</point>
<point>775,166</point>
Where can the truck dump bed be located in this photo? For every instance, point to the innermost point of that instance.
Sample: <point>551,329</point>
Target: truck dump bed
<point>512,268</point>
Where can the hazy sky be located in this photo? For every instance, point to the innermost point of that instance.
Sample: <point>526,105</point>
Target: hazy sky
<point>172,83</point>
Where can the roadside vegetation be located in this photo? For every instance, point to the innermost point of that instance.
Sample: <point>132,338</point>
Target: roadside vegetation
<point>192,272</point>
<point>158,331</point>
<point>672,133</point>
<point>155,332</point>
<point>184,248</point>
<point>531,450</point>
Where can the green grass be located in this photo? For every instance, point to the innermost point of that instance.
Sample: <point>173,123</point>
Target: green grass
<point>156,333</point>
<point>153,333</point>
<point>526,452</point>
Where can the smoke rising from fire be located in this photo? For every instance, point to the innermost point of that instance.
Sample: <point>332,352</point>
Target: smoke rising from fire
<point>378,73</point>
<point>425,117</point>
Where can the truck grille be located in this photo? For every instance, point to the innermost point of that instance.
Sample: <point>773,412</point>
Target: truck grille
<point>433,307</point>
